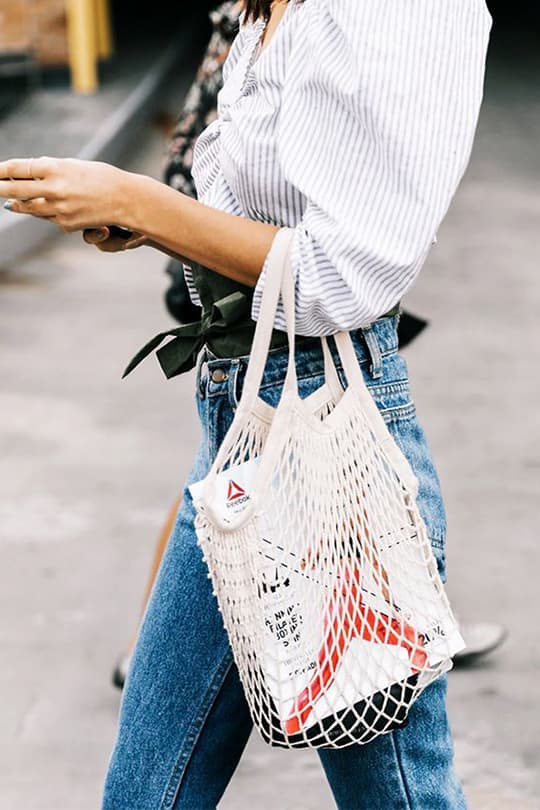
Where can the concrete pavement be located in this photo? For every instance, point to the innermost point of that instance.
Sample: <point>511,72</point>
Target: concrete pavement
<point>89,465</point>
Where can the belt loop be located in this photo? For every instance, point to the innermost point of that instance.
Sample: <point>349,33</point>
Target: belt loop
<point>233,374</point>
<point>374,351</point>
<point>201,360</point>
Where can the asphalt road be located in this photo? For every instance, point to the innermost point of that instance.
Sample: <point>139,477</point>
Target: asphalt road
<point>89,465</point>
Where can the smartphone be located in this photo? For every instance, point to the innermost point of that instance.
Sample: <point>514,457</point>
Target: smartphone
<point>120,233</point>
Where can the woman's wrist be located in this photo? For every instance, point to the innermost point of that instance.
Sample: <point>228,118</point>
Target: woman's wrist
<point>137,201</point>
<point>229,244</point>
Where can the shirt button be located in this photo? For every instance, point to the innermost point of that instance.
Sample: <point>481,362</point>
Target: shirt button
<point>218,375</point>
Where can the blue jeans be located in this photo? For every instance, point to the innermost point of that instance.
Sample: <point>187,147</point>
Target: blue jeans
<point>184,720</point>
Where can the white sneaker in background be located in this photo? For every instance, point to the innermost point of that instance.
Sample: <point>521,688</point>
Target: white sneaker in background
<point>480,638</point>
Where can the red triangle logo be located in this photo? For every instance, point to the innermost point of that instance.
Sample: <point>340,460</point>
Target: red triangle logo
<point>235,491</point>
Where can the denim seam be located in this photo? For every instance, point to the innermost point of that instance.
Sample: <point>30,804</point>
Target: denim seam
<point>194,732</point>
<point>401,770</point>
<point>389,388</point>
<point>393,412</point>
<point>377,389</point>
<point>438,539</point>
<point>218,362</point>
<point>399,413</point>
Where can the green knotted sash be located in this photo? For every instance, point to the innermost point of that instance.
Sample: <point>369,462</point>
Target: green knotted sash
<point>226,326</point>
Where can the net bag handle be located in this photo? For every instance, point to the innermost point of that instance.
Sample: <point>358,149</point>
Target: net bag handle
<point>355,381</point>
<point>279,280</point>
<point>278,258</point>
<point>278,266</point>
<point>278,275</point>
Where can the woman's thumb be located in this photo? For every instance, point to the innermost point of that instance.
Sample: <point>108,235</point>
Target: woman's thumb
<point>93,236</point>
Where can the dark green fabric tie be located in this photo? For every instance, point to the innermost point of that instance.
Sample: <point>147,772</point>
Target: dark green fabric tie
<point>225,326</point>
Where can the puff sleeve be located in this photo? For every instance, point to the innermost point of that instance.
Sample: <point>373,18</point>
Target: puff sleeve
<point>379,109</point>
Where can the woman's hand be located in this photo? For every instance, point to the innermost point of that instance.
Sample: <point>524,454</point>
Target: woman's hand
<point>74,194</point>
<point>109,243</point>
<point>79,194</point>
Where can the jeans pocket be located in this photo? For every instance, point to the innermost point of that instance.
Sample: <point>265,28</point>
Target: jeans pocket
<point>393,399</point>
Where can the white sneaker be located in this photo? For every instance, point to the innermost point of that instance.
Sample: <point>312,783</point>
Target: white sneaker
<point>480,638</point>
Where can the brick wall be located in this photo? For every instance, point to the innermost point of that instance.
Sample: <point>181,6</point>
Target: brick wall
<point>51,40</point>
<point>35,26</point>
<point>15,30</point>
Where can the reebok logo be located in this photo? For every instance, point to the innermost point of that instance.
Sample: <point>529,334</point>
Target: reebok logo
<point>236,495</point>
<point>235,491</point>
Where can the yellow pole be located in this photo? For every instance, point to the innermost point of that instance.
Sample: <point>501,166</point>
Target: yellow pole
<point>82,40</point>
<point>104,30</point>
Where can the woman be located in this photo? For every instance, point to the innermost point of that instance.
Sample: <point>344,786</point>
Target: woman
<point>198,111</point>
<point>353,124</point>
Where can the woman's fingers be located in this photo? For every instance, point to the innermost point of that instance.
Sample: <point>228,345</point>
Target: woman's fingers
<point>25,189</point>
<point>101,238</point>
<point>93,236</point>
<point>25,178</point>
<point>38,207</point>
<point>84,193</point>
<point>27,168</point>
<point>137,240</point>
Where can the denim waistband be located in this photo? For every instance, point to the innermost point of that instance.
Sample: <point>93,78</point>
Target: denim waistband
<point>371,344</point>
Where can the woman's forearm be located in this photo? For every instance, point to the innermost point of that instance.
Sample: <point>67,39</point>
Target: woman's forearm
<point>231,245</point>
<point>69,192</point>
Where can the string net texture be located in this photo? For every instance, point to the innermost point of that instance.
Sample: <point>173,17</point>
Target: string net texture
<point>322,567</point>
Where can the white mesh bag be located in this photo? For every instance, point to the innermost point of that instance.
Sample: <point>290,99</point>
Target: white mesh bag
<point>319,558</point>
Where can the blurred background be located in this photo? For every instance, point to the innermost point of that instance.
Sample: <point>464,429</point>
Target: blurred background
<point>90,465</point>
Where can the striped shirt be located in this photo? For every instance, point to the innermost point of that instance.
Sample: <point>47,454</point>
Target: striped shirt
<point>354,126</point>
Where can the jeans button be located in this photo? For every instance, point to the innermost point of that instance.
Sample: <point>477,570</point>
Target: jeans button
<point>218,375</point>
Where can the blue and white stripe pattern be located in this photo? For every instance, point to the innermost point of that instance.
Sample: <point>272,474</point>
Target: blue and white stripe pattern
<point>354,125</point>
